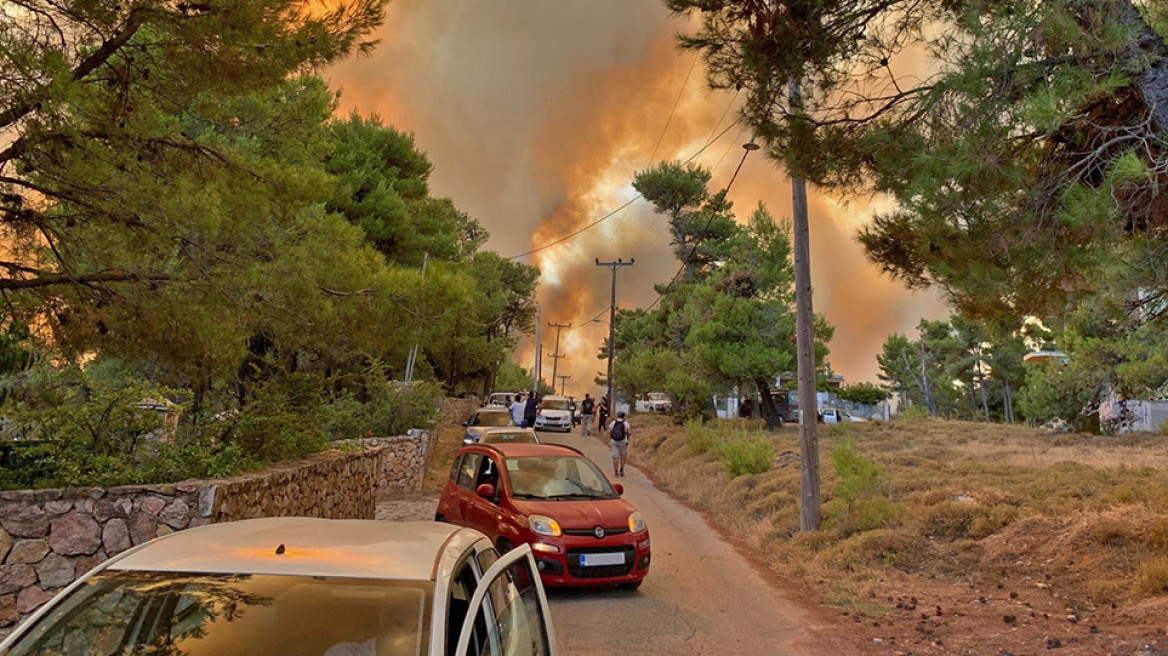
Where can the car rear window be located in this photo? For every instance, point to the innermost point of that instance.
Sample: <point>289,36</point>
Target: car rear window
<point>234,615</point>
<point>496,419</point>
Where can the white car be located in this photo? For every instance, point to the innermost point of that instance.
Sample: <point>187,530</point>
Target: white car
<point>301,587</point>
<point>555,413</point>
<point>839,416</point>
<point>654,402</point>
<point>500,398</point>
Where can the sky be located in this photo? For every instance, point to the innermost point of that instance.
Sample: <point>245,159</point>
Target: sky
<point>537,114</point>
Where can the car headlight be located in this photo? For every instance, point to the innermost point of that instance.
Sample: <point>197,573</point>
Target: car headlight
<point>636,523</point>
<point>544,525</point>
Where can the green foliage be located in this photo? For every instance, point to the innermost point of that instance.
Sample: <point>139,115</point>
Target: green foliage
<point>699,438</point>
<point>744,454</point>
<point>861,502</point>
<point>866,393</point>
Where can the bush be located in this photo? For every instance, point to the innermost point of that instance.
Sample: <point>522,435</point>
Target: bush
<point>861,502</point>
<point>699,438</point>
<point>743,454</point>
<point>281,422</point>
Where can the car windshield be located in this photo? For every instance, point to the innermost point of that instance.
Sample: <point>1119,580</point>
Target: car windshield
<point>555,404</point>
<point>497,419</point>
<point>524,437</point>
<point>658,396</point>
<point>557,477</point>
<point>233,615</point>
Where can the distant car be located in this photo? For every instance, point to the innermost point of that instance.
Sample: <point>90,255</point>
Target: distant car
<point>500,398</point>
<point>300,586</point>
<point>484,418</point>
<point>554,499</point>
<point>839,416</point>
<point>555,413</point>
<point>508,436</point>
<point>654,402</point>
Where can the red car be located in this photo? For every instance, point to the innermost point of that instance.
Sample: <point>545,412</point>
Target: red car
<point>556,500</point>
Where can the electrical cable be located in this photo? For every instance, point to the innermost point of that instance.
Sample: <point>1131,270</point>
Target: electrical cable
<point>626,204</point>
<point>701,235</point>
<point>661,137</point>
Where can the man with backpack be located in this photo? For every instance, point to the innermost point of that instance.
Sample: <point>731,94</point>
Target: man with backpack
<point>618,434</point>
<point>587,410</point>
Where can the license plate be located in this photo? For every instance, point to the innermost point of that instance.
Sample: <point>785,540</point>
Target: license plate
<point>596,559</point>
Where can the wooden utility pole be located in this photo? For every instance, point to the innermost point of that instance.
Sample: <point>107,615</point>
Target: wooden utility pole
<point>563,383</point>
<point>611,325</point>
<point>805,352</point>
<point>557,355</point>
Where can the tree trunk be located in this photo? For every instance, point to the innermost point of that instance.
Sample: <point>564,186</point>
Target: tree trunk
<point>1007,401</point>
<point>1153,82</point>
<point>774,420</point>
<point>981,385</point>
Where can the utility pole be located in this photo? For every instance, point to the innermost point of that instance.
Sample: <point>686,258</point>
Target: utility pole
<point>563,383</point>
<point>557,355</point>
<point>412,359</point>
<point>805,351</point>
<point>538,356</point>
<point>611,325</point>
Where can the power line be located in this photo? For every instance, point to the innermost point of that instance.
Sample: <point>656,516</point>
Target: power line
<point>661,137</point>
<point>706,227</point>
<point>626,204</point>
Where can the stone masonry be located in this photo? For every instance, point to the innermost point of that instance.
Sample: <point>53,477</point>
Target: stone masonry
<point>48,538</point>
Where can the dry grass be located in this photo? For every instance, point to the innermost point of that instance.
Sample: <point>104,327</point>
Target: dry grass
<point>971,502</point>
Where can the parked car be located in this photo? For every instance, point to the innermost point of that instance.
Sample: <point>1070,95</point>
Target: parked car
<point>486,417</point>
<point>839,416</point>
<point>555,413</point>
<point>654,402</point>
<point>300,586</point>
<point>557,501</point>
<point>508,435</point>
<point>500,398</point>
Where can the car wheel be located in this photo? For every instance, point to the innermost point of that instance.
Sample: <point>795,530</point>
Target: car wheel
<point>631,586</point>
<point>504,546</point>
<point>439,518</point>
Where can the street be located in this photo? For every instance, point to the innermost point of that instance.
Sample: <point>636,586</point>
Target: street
<point>701,596</point>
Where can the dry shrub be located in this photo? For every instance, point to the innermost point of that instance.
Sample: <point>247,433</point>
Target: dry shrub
<point>871,550</point>
<point>1153,575</point>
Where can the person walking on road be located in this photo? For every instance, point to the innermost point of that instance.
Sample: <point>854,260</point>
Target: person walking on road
<point>531,409</point>
<point>517,410</point>
<point>603,412</point>
<point>618,434</point>
<point>587,410</point>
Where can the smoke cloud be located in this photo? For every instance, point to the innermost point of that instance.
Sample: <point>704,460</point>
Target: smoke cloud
<point>537,116</point>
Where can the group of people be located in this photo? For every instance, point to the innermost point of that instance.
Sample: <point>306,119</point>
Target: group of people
<point>523,413</point>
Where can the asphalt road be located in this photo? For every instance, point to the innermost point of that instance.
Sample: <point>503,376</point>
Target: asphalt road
<point>701,596</point>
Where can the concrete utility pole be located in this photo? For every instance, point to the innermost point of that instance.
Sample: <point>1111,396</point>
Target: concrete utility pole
<point>412,359</point>
<point>563,383</point>
<point>557,355</point>
<point>805,352</point>
<point>611,325</point>
<point>538,356</point>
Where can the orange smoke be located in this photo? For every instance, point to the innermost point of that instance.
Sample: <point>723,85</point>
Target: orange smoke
<point>537,117</point>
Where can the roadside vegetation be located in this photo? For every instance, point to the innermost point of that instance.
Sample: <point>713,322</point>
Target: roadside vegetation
<point>205,268</point>
<point>989,506</point>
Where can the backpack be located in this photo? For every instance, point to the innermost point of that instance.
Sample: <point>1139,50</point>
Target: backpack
<point>620,431</point>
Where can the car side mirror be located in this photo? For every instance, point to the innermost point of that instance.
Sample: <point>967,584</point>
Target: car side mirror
<point>620,489</point>
<point>486,491</point>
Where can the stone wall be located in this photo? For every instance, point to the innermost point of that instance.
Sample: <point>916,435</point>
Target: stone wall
<point>50,537</point>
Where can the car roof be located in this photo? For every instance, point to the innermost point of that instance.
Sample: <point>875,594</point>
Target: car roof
<point>356,548</point>
<point>492,408</point>
<point>511,450</point>
<point>554,396</point>
<point>507,429</point>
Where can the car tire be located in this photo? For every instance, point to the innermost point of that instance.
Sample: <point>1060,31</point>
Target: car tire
<point>439,518</point>
<point>631,586</point>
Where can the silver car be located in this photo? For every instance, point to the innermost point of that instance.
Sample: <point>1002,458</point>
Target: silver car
<point>300,587</point>
<point>484,418</point>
